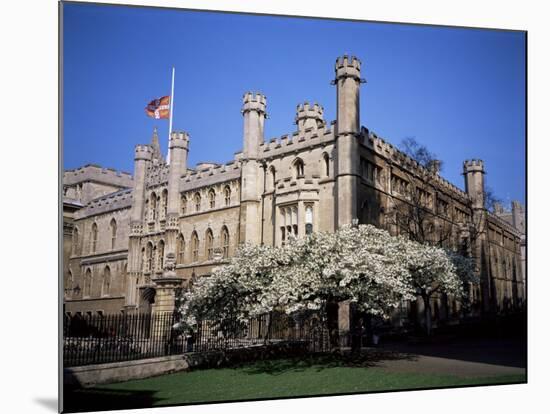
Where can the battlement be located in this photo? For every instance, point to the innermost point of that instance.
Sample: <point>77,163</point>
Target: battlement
<point>390,152</point>
<point>496,220</point>
<point>179,139</point>
<point>254,102</point>
<point>104,204</point>
<point>94,172</point>
<point>473,166</point>
<point>297,141</point>
<point>143,152</point>
<point>348,67</point>
<point>206,174</point>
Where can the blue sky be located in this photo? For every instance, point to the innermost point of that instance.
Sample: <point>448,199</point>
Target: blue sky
<point>461,92</point>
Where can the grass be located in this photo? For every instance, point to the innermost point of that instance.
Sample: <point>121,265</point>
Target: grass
<point>262,380</point>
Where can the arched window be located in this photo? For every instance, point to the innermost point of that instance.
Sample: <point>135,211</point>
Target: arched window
<point>160,260</point>
<point>326,164</point>
<point>164,203</point>
<point>272,175</point>
<point>94,238</point>
<point>298,168</point>
<point>197,200</point>
<point>153,206</point>
<point>75,240</point>
<point>106,283</point>
<point>212,198</point>
<point>149,256</point>
<point>113,233</point>
<point>225,242</point>
<point>180,255</point>
<point>68,283</point>
<point>209,244</point>
<point>183,205</point>
<point>227,195</point>
<point>87,283</point>
<point>195,247</point>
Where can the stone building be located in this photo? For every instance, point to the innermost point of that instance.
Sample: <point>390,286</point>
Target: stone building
<point>134,241</point>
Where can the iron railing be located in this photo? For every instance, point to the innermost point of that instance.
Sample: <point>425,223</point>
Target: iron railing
<point>95,339</point>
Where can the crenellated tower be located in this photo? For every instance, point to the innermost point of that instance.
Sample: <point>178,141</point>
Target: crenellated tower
<point>309,116</point>
<point>143,156</point>
<point>254,114</point>
<point>178,147</point>
<point>474,182</point>
<point>347,81</point>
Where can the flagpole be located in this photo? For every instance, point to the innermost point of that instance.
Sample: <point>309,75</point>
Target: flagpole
<point>171,112</point>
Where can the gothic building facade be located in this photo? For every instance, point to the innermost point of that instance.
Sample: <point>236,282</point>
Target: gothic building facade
<point>132,240</point>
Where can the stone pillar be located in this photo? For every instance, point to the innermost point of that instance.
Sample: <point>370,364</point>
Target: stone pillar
<point>473,171</point>
<point>179,148</point>
<point>347,81</point>
<point>165,298</point>
<point>254,113</point>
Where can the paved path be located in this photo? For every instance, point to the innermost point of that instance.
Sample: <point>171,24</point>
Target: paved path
<point>464,358</point>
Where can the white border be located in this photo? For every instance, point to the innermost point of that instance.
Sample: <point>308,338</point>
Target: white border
<point>28,30</point>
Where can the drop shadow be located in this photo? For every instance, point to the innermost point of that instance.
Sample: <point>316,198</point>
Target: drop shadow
<point>49,403</point>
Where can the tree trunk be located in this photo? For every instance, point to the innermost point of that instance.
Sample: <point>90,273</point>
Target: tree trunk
<point>427,314</point>
<point>332,325</point>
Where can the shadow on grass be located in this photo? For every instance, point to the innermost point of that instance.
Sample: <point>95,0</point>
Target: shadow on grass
<point>96,399</point>
<point>318,362</point>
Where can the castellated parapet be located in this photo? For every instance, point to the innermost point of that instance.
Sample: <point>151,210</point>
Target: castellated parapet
<point>348,67</point>
<point>254,102</point>
<point>309,116</point>
<point>92,172</point>
<point>473,166</point>
<point>143,152</point>
<point>179,139</point>
<point>110,202</point>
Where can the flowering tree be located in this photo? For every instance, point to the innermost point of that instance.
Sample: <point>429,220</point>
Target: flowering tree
<point>435,270</point>
<point>363,265</point>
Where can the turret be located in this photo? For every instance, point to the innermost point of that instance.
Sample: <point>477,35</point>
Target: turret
<point>518,217</point>
<point>179,148</point>
<point>309,116</point>
<point>142,158</point>
<point>347,81</point>
<point>254,116</point>
<point>474,182</point>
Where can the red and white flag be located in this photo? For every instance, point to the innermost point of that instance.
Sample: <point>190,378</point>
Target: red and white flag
<point>159,108</point>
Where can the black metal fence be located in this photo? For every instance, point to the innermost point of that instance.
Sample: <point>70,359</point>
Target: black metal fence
<point>95,339</point>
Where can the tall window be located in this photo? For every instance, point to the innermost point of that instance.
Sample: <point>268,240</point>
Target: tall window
<point>149,255</point>
<point>153,206</point>
<point>106,285</point>
<point>94,237</point>
<point>273,176</point>
<point>309,219</point>
<point>87,283</point>
<point>180,249</point>
<point>209,244</point>
<point>183,205</point>
<point>113,233</point>
<point>164,203</point>
<point>327,165</point>
<point>195,247</point>
<point>75,240</point>
<point>160,260</point>
<point>212,198</point>
<point>197,202</point>
<point>225,242</point>
<point>227,195</point>
<point>299,168</point>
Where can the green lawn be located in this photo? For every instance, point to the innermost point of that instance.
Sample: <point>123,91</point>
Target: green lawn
<point>268,379</point>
